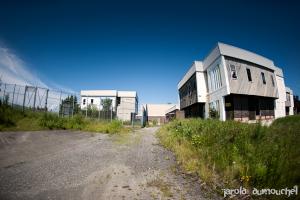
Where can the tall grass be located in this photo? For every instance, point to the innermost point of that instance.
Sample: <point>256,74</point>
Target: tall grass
<point>14,119</point>
<point>235,154</point>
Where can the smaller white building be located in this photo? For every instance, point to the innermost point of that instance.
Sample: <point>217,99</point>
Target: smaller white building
<point>123,103</point>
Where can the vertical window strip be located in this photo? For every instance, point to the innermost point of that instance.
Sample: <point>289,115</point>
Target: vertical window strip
<point>249,74</point>
<point>211,80</point>
<point>272,80</point>
<point>263,77</point>
<point>217,78</point>
<point>214,74</point>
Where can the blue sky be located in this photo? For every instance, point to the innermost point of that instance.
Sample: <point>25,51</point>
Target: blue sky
<point>145,46</point>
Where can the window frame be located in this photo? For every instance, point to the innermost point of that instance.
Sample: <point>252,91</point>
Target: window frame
<point>272,79</point>
<point>288,97</point>
<point>215,78</point>
<point>249,75</point>
<point>263,78</point>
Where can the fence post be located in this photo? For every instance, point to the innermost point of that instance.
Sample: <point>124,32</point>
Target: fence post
<point>24,98</point>
<point>59,103</point>
<point>4,92</point>
<point>86,109</point>
<point>73,104</point>
<point>132,118</point>
<point>13,98</point>
<point>46,100</point>
<point>34,100</point>
<point>111,111</point>
<point>18,95</point>
<point>99,109</point>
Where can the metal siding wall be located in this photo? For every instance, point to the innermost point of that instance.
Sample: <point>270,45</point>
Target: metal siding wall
<point>255,87</point>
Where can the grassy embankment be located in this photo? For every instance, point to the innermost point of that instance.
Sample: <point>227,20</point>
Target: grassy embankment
<point>233,154</point>
<point>16,120</point>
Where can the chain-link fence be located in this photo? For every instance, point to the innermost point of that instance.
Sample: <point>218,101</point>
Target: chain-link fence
<point>39,99</point>
<point>109,108</point>
<point>69,104</point>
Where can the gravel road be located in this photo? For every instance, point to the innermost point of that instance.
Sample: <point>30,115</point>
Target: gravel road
<point>80,165</point>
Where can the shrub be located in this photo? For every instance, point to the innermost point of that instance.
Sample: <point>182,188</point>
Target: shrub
<point>114,127</point>
<point>213,113</point>
<point>14,119</point>
<point>76,122</point>
<point>52,121</point>
<point>267,156</point>
<point>9,116</point>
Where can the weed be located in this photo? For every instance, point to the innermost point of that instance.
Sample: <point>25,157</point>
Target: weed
<point>14,119</point>
<point>230,150</point>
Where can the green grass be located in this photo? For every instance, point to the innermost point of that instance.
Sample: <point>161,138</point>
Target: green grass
<point>16,120</point>
<point>234,154</point>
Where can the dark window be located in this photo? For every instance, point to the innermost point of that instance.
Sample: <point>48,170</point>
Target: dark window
<point>288,96</point>
<point>233,72</point>
<point>83,102</point>
<point>272,80</point>
<point>92,101</point>
<point>249,75</point>
<point>263,78</point>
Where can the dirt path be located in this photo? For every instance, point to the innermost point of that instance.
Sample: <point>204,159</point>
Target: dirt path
<point>77,165</point>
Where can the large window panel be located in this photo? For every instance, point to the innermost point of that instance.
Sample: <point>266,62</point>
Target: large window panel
<point>215,78</point>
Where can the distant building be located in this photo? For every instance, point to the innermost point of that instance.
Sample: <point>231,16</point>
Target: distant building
<point>156,113</point>
<point>123,103</point>
<point>289,103</point>
<point>237,84</point>
<point>174,113</point>
<point>296,105</point>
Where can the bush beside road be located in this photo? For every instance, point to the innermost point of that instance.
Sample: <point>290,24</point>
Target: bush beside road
<point>234,154</point>
<point>16,120</point>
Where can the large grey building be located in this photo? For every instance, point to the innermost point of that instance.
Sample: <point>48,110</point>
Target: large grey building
<point>236,83</point>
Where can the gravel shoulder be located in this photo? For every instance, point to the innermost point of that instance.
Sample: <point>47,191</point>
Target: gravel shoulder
<point>80,165</point>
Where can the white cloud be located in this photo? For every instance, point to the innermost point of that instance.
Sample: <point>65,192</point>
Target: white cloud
<point>13,70</point>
